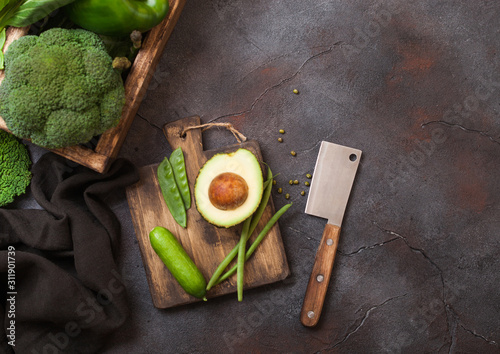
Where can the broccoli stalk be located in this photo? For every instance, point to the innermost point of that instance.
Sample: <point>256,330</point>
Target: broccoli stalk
<point>15,162</point>
<point>60,89</point>
<point>136,38</point>
<point>121,63</point>
<point>124,53</point>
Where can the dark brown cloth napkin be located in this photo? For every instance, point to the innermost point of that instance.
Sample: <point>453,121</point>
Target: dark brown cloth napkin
<point>67,294</point>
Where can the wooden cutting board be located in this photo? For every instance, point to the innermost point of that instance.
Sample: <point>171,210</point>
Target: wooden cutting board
<point>206,244</point>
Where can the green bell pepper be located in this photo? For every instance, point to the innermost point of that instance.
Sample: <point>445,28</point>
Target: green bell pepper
<point>117,17</point>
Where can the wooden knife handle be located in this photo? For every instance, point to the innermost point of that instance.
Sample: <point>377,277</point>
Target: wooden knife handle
<point>320,276</point>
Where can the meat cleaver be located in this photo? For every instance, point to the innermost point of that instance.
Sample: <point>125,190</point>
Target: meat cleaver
<point>331,185</point>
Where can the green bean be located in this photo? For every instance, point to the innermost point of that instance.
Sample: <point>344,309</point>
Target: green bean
<point>260,209</point>
<point>257,241</point>
<point>179,167</point>
<point>266,229</point>
<point>263,203</point>
<point>171,192</point>
<point>223,265</point>
<point>241,258</point>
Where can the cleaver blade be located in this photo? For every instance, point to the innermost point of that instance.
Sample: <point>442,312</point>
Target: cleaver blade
<point>331,185</point>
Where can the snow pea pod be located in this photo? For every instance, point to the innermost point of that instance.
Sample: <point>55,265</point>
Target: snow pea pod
<point>179,168</point>
<point>171,193</point>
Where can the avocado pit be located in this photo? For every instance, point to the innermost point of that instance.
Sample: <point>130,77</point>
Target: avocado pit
<point>228,191</point>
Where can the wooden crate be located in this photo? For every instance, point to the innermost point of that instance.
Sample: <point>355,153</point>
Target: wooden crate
<point>136,84</point>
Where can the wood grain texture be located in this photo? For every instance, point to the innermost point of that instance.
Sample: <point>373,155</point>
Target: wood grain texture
<point>317,287</point>
<point>205,243</point>
<point>136,84</point>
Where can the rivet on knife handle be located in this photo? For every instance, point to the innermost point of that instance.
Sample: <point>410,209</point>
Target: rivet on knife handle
<point>320,276</point>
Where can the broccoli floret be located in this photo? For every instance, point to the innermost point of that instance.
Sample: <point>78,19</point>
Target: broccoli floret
<point>15,162</point>
<point>60,88</point>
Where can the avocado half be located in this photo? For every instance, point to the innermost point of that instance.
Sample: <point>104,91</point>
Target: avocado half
<point>229,188</point>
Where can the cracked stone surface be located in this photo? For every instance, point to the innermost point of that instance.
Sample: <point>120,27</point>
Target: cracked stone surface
<point>416,86</point>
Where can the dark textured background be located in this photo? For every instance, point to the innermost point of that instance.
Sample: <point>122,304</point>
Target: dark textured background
<point>416,87</point>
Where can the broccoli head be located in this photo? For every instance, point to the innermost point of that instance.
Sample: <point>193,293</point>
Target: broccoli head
<point>60,88</point>
<point>15,162</point>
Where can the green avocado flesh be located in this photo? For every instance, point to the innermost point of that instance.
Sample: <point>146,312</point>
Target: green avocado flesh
<point>242,163</point>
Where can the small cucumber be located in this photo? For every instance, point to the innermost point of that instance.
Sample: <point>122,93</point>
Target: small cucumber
<point>178,262</point>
